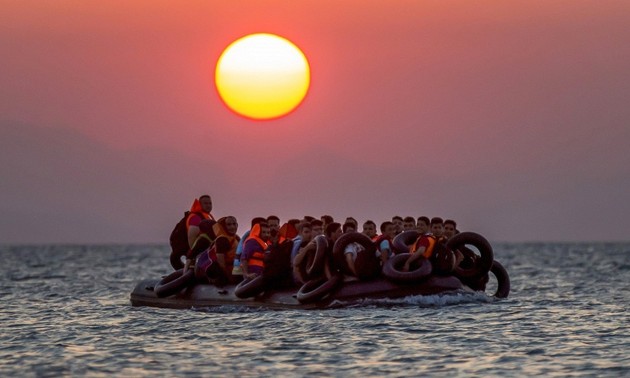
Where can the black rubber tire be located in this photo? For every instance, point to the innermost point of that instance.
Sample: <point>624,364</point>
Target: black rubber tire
<point>250,287</point>
<point>174,283</point>
<point>342,243</point>
<point>392,269</point>
<point>503,280</point>
<point>404,240</point>
<point>316,267</point>
<point>482,264</point>
<point>307,260</point>
<point>315,290</point>
<point>176,260</point>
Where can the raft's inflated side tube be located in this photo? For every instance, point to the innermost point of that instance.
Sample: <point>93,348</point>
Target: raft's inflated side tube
<point>482,264</point>
<point>405,239</point>
<point>392,269</point>
<point>366,265</point>
<point>318,288</point>
<point>174,283</point>
<point>503,280</point>
<point>250,287</point>
<point>176,260</point>
<point>316,267</point>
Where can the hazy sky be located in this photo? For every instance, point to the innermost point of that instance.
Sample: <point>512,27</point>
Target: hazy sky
<point>511,117</point>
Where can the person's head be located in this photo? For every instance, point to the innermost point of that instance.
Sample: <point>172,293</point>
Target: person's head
<point>423,225</point>
<point>437,226</point>
<point>353,221</point>
<point>450,228</point>
<point>327,219</point>
<point>206,203</point>
<point>348,227</point>
<point>317,227</point>
<point>274,224</point>
<point>388,229</point>
<point>294,222</point>
<point>397,220</point>
<point>409,223</point>
<point>258,220</point>
<point>369,229</point>
<point>333,231</point>
<point>309,218</point>
<point>265,232</point>
<point>305,231</point>
<point>229,225</point>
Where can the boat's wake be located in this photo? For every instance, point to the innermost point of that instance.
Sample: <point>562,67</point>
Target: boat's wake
<point>437,300</point>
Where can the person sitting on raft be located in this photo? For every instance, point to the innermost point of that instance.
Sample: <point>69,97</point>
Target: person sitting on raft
<point>421,248</point>
<point>254,249</point>
<point>384,247</point>
<point>199,211</point>
<point>352,250</point>
<point>237,272</point>
<point>203,242</point>
<point>225,243</point>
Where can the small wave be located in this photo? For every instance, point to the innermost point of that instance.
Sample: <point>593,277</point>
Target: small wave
<point>437,300</point>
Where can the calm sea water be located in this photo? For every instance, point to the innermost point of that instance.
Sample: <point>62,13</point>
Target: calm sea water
<point>65,311</point>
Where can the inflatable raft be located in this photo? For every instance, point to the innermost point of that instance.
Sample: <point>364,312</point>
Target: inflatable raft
<point>206,295</point>
<point>179,291</point>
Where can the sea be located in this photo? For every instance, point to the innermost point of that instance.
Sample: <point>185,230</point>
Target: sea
<point>65,311</point>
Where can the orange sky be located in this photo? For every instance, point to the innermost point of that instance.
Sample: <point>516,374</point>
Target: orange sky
<point>510,117</point>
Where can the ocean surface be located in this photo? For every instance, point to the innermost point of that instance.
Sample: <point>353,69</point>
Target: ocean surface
<point>65,311</point>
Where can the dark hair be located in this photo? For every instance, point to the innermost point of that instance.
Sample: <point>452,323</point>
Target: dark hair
<point>258,220</point>
<point>263,224</point>
<point>309,218</point>
<point>332,227</point>
<point>352,220</point>
<point>347,225</point>
<point>424,219</point>
<point>327,219</point>
<point>316,222</point>
<point>204,196</point>
<point>384,226</point>
<point>370,222</point>
<point>397,217</point>
<point>303,225</point>
<point>294,222</point>
<point>436,220</point>
<point>273,217</point>
<point>410,219</point>
<point>451,222</point>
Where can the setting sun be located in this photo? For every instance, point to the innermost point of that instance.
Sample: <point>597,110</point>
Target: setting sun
<point>262,76</point>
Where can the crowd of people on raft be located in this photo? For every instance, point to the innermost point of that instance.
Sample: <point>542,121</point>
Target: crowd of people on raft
<point>219,255</point>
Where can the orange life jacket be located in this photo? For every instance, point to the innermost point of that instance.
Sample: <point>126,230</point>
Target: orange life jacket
<point>429,251</point>
<point>196,209</point>
<point>220,232</point>
<point>258,257</point>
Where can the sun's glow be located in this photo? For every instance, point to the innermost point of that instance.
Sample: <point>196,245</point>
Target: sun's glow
<point>262,76</point>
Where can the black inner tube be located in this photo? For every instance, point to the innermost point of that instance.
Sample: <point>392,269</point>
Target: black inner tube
<point>482,263</point>
<point>315,290</point>
<point>250,287</point>
<point>174,283</point>
<point>316,267</point>
<point>420,269</point>
<point>403,241</point>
